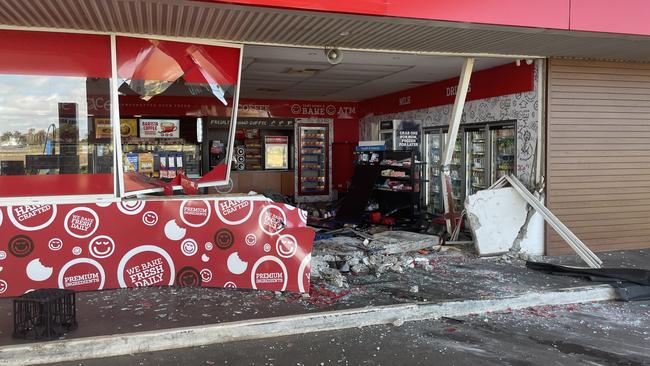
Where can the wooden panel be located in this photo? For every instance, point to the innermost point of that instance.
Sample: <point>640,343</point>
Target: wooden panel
<point>598,153</point>
<point>288,183</point>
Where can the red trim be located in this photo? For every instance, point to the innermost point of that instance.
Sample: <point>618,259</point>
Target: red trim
<point>538,14</point>
<point>55,185</point>
<point>623,16</point>
<point>500,80</point>
<point>216,174</point>
<point>55,54</point>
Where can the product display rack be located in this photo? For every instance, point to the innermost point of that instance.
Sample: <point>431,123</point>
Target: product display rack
<point>162,152</point>
<point>313,159</point>
<point>398,185</point>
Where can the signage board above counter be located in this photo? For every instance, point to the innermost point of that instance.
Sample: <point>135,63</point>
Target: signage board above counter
<point>274,123</point>
<point>159,128</point>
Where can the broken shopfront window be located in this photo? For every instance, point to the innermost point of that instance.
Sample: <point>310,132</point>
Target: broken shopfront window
<point>166,92</point>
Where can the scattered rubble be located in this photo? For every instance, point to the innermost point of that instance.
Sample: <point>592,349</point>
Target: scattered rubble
<point>358,252</point>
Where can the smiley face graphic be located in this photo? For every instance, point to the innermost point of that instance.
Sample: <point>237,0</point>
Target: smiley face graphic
<point>55,244</point>
<point>3,286</point>
<point>188,277</point>
<point>150,218</point>
<point>224,238</point>
<point>251,239</point>
<point>286,246</point>
<point>189,247</point>
<point>101,247</point>
<point>206,275</point>
<point>21,245</point>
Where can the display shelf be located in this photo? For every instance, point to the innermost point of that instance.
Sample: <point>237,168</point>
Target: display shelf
<point>313,156</point>
<point>399,193</point>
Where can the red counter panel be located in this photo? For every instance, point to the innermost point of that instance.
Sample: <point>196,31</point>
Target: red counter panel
<point>235,242</point>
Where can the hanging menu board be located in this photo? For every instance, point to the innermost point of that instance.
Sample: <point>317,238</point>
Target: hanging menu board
<point>159,128</point>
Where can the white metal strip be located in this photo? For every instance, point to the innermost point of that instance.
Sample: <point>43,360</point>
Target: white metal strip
<point>118,168</point>
<point>578,246</point>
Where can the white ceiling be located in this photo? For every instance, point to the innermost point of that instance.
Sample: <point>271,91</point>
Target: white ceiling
<point>304,73</point>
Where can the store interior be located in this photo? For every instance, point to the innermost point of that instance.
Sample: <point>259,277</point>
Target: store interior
<point>302,117</point>
<point>314,128</point>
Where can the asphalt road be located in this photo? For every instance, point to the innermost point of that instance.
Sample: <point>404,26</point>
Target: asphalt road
<point>590,334</point>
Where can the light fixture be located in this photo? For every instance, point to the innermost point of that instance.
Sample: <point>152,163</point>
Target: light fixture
<point>333,55</point>
<point>518,62</point>
<point>529,61</point>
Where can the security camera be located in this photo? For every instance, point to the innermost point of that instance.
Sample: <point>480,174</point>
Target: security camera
<point>333,55</point>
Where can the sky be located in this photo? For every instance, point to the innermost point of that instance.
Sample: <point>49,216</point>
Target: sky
<point>32,101</point>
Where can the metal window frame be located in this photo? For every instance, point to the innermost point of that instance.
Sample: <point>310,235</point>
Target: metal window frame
<point>118,171</point>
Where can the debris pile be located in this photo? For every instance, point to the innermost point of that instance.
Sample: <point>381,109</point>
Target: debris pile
<point>351,251</point>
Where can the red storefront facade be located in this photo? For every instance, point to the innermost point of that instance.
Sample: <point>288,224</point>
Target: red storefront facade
<point>68,226</point>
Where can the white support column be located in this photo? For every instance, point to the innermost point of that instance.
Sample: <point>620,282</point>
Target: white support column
<point>118,168</point>
<point>452,133</point>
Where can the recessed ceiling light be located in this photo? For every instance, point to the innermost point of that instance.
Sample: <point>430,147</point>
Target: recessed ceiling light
<point>344,33</point>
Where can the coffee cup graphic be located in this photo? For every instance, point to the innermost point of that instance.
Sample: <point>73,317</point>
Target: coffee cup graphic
<point>166,127</point>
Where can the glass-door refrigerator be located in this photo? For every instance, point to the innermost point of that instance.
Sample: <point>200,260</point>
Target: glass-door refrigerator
<point>456,171</point>
<point>433,154</point>
<point>476,157</point>
<point>313,171</point>
<point>503,143</point>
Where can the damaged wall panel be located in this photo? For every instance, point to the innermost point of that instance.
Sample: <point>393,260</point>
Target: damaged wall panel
<point>598,180</point>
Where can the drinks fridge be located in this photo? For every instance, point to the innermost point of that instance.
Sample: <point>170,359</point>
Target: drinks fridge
<point>476,160</point>
<point>503,149</point>
<point>313,152</point>
<point>482,154</point>
<point>434,144</point>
